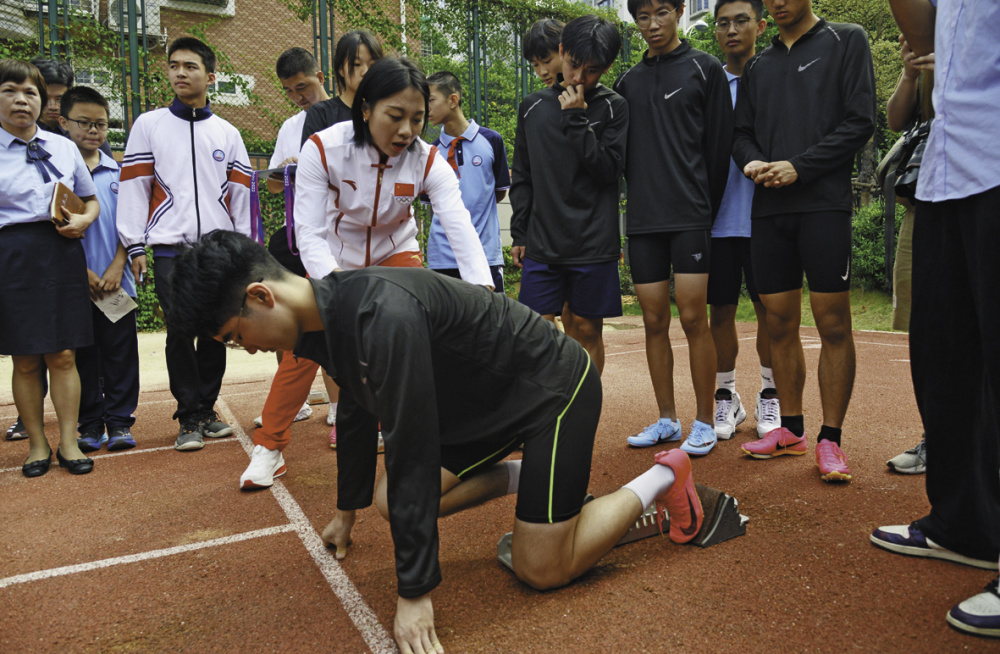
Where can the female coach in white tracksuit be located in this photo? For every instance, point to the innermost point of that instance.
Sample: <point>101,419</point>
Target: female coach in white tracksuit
<point>372,169</point>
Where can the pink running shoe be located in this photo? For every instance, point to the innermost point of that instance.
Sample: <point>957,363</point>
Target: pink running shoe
<point>681,502</point>
<point>775,443</point>
<point>333,438</point>
<point>832,462</point>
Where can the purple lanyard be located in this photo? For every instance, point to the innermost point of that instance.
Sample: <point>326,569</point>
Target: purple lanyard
<point>290,211</point>
<point>256,220</point>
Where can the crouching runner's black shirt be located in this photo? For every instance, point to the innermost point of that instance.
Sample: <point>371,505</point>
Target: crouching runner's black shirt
<point>813,106</point>
<point>564,182</point>
<point>438,362</point>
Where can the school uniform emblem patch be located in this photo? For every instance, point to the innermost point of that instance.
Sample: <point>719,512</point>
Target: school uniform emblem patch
<point>218,155</point>
<point>404,193</point>
<point>114,187</point>
<point>477,160</point>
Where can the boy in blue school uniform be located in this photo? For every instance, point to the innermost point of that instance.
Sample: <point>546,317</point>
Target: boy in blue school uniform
<point>109,369</point>
<point>480,160</point>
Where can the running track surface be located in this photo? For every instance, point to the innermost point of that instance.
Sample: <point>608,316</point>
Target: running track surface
<point>157,550</point>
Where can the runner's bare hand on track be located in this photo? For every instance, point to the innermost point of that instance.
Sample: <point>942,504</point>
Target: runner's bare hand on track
<point>415,626</point>
<point>338,533</point>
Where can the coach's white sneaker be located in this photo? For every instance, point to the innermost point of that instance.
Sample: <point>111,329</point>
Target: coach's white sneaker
<point>264,466</point>
<point>729,413</point>
<point>304,414</point>
<point>768,412</point>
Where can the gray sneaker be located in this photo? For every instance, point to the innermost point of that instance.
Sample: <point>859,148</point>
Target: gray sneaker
<point>189,437</point>
<point>911,462</point>
<point>212,427</point>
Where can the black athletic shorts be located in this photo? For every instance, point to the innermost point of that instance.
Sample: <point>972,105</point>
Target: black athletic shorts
<point>730,264</point>
<point>651,255</point>
<point>555,468</point>
<point>818,244</point>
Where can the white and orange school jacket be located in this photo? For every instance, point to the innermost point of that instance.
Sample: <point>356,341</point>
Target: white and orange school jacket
<point>185,173</point>
<point>370,218</point>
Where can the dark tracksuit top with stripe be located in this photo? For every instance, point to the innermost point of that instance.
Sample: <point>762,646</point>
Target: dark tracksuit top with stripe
<point>438,362</point>
<point>679,140</point>
<point>813,106</point>
<point>564,182</point>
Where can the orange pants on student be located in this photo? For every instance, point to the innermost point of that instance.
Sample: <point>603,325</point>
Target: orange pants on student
<point>294,378</point>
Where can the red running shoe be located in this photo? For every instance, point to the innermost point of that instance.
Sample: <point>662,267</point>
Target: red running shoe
<point>681,502</point>
<point>333,438</point>
<point>777,442</point>
<point>832,462</point>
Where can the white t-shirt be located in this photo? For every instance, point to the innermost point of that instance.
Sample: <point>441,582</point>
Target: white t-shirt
<point>289,139</point>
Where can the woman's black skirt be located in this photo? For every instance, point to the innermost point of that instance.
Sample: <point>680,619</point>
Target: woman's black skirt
<point>45,302</point>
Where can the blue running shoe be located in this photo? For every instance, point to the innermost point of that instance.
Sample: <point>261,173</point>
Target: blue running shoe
<point>121,439</point>
<point>91,440</point>
<point>661,431</point>
<point>701,440</point>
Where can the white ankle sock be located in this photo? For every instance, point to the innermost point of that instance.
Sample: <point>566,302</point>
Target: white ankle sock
<point>651,484</point>
<point>766,378</point>
<point>726,380</point>
<point>513,475</point>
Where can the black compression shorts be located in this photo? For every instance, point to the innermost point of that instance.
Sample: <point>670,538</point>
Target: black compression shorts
<point>555,468</point>
<point>651,255</point>
<point>818,244</point>
<point>730,264</point>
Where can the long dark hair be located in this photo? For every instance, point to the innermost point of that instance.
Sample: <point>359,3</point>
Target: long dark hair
<point>347,52</point>
<point>386,77</point>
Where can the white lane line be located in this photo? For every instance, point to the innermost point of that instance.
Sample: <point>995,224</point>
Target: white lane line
<point>143,556</point>
<point>809,343</point>
<point>375,635</point>
<point>673,345</point>
<point>101,457</point>
<point>13,416</point>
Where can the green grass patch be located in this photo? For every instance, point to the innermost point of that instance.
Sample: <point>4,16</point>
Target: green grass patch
<point>869,309</point>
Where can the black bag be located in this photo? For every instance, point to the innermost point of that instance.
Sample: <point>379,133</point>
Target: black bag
<point>278,247</point>
<point>914,143</point>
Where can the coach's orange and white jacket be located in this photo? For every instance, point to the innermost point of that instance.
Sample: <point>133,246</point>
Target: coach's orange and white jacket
<point>370,218</point>
<point>185,173</point>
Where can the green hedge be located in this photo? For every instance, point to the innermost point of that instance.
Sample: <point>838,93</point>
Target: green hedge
<point>868,260</point>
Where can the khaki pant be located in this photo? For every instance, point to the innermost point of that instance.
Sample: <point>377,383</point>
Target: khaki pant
<point>902,274</point>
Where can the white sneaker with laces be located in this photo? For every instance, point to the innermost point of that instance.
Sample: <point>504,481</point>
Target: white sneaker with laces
<point>264,466</point>
<point>768,413</point>
<point>729,413</point>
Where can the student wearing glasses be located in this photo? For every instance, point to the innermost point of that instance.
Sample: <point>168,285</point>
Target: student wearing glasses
<point>679,139</point>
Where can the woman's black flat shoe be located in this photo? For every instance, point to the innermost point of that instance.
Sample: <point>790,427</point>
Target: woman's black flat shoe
<point>37,468</point>
<point>76,466</point>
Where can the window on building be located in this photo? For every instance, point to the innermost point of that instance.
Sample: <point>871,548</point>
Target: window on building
<point>231,89</point>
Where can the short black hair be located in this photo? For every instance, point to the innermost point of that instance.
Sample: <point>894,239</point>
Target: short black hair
<point>192,44</point>
<point>294,61</point>
<point>55,71</point>
<point>17,71</point>
<point>209,281</point>
<point>387,76</point>
<point>79,94</point>
<point>635,5</point>
<point>756,5</point>
<point>447,82</point>
<point>347,52</point>
<point>591,39</point>
<point>542,38</point>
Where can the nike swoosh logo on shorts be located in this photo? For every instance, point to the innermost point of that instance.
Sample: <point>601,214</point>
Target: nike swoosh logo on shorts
<point>802,67</point>
<point>848,273</point>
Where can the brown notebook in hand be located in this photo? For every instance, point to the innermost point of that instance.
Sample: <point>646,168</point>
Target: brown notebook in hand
<point>63,197</point>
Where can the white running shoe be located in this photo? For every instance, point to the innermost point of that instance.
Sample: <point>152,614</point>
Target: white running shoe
<point>729,413</point>
<point>331,416</point>
<point>264,466</point>
<point>768,412</point>
<point>304,414</point>
<point>701,440</point>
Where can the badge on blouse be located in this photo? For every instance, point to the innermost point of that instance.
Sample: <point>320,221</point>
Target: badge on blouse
<point>404,193</point>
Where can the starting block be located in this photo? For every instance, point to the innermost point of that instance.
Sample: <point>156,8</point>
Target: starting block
<point>722,522</point>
